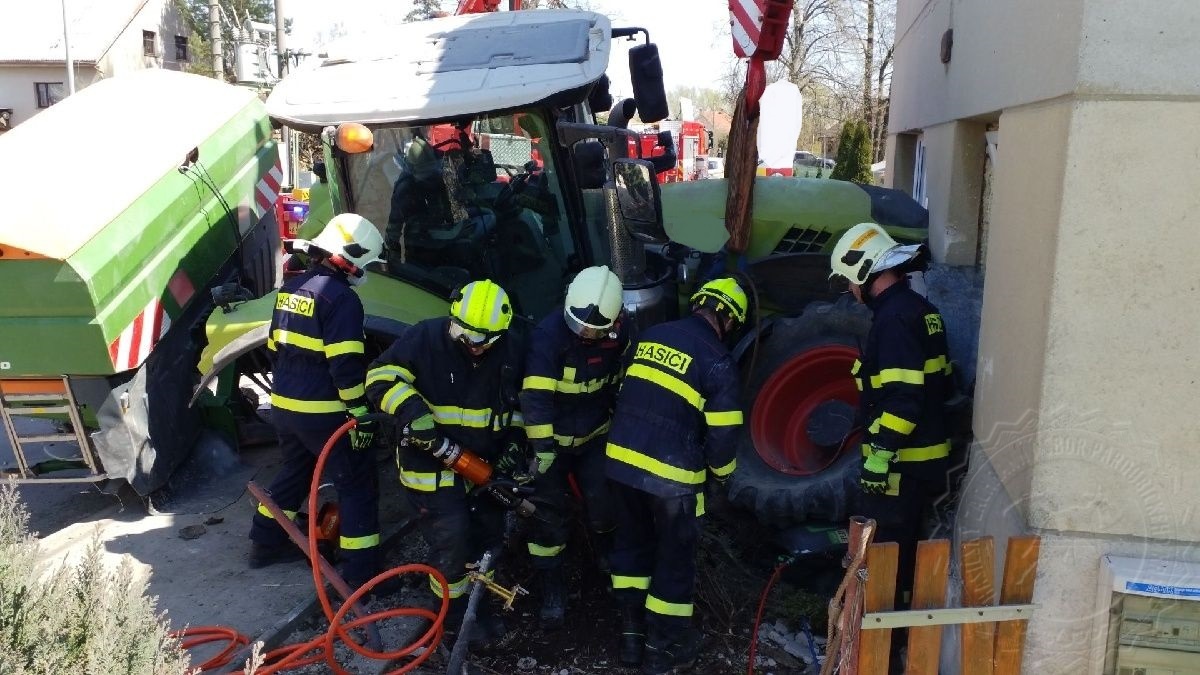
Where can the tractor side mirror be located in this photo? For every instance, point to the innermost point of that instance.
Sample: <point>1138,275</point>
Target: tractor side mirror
<point>646,75</point>
<point>639,199</point>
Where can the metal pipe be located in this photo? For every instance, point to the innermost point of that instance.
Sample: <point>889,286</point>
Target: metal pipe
<point>289,168</point>
<point>458,656</point>
<point>67,48</point>
<point>299,539</point>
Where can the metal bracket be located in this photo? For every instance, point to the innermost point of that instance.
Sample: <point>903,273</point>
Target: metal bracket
<point>506,594</point>
<point>944,617</point>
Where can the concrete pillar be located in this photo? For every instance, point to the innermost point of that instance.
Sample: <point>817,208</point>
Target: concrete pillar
<point>901,156</point>
<point>954,155</point>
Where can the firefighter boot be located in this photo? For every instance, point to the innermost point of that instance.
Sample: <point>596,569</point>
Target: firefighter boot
<point>489,624</point>
<point>263,555</point>
<point>673,652</point>
<point>633,635</point>
<point>604,545</point>
<point>554,598</point>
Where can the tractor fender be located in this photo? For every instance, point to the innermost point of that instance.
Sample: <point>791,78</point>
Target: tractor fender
<point>378,328</point>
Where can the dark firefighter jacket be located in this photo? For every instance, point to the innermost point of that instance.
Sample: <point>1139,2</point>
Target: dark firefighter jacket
<point>677,412</point>
<point>904,376</point>
<point>316,340</point>
<point>570,385</point>
<point>474,402</point>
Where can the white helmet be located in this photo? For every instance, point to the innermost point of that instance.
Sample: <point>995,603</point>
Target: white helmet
<point>593,302</point>
<point>350,238</point>
<point>867,249</point>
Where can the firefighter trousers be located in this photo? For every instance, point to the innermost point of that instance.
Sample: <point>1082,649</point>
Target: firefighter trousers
<point>459,529</point>
<point>654,559</point>
<point>899,518</point>
<point>353,475</point>
<point>552,491</point>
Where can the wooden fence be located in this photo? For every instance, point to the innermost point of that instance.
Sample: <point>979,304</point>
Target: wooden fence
<point>992,636</point>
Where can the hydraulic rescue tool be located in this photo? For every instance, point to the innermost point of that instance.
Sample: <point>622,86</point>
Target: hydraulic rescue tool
<point>506,490</point>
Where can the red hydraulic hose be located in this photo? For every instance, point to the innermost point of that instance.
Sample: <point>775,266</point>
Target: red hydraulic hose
<point>321,648</point>
<point>762,605</point>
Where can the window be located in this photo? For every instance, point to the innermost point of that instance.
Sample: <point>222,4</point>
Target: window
<point>450,214</point>
<point>48,93</point>
<point>148,43</point>
<point>181,48</point>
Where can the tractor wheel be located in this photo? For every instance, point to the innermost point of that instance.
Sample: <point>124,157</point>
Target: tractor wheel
<point>796,453</point>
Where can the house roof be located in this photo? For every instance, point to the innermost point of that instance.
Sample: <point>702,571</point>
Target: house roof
<point>34,33</point>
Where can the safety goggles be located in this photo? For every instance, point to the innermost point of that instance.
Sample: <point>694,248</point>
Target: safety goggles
<point>471,338</point>
<point>586,332</point>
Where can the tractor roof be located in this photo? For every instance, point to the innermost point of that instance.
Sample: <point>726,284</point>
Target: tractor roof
<point>444,68</point>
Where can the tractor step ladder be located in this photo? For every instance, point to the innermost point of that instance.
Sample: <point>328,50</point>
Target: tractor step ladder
<point>37,398</point>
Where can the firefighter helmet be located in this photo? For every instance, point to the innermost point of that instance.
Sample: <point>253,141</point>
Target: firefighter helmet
<point>867,249</point>
<point>352,242</point>
<point>724,296</point>
<point>593,302</point>
<point>480,312</point>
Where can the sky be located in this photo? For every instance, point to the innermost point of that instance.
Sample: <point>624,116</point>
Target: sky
<point>692,35</point>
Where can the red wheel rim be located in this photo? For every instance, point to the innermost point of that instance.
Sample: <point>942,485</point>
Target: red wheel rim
<point>779,421</point>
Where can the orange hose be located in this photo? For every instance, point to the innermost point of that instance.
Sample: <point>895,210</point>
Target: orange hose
<point>321,648</point>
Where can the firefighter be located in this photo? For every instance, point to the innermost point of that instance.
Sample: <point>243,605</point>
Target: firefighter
<point>673,428</point>
<point>904,375</point>
<point>572,373</point>
<point>455,379</point>
<point>316,340</point>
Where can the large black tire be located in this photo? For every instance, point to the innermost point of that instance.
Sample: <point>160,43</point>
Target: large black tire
<point>776,498</point>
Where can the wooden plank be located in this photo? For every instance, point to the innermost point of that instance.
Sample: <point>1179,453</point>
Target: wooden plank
<point>880,596</point>
<point>1020,571</point>
<point>929,592</point>
<point>979,590</point>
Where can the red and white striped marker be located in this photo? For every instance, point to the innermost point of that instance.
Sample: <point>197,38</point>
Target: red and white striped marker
<point>267,190</point>
<point>134,343</point>
<point>746,20</point>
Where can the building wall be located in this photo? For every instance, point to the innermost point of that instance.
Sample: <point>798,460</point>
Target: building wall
<point>1006,53</point>
<point>17,90</point>
<point>125,55</point>
<point>1084,424</point>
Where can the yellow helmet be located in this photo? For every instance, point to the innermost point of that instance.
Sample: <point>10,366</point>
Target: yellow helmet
<point>723,295</point>
<point>480,312</point>
<point>866,249</point>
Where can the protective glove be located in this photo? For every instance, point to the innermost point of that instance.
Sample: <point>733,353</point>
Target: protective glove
<point>362,434</point>
<point>545,459</point>
<point>423,434</point>
<point>874,477</point>
<point>510,459</point>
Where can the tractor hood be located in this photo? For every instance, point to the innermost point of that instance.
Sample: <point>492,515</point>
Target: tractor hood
<point>444,68</point>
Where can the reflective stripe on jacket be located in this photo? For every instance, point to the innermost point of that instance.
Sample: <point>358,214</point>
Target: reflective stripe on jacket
<point>570,385</point>
<point>904,375</point>
<point>677,412</point>
<point>472,401</point>
<point>317,344</point>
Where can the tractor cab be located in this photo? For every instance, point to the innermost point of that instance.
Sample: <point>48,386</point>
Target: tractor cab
<point>473,149</point>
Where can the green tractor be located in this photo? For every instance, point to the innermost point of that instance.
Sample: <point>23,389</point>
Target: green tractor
<point>131,210</point>
<point>475,150</point>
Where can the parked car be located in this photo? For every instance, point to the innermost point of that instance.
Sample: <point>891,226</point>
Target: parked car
<point>716,167</point>
<point>805,158</point>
